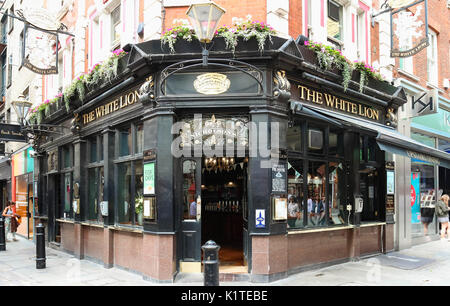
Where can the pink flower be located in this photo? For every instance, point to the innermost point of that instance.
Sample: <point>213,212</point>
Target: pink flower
<point>306,43</point>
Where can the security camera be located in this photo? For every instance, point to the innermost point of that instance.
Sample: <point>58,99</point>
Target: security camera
<point>33,153</point>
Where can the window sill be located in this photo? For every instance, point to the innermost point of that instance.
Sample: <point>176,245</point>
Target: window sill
<point>138,230</point>
<point>332,228</point>
<point>409,75</point>
<point>433,86</point>
<point>70,221</point>
<point>317,230</point>
<point>93,224</point>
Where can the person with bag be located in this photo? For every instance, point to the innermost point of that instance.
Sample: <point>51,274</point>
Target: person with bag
<point>11,221</point>
<point>442,214</point>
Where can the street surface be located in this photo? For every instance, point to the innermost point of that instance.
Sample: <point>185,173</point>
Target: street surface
<point>427,264</point>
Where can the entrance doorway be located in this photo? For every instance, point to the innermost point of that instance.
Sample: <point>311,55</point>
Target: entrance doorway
<point>224,194</point>
<point>213,192</point>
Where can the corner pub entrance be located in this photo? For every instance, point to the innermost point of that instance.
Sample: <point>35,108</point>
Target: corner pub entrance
<point>213,207</point>
<point>301,179</point>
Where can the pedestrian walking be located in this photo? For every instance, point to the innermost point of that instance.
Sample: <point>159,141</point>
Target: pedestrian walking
<point>11,221</point>
<point>442,214</point>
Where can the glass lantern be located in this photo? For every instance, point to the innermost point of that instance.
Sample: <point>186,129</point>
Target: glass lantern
<point>204,19</point>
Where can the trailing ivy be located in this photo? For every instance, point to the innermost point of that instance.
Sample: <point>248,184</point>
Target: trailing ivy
<point>329,58</point>
<point>100,73</point>
<point>246,29</point>
<point>171,36</point>
<point>242,28</point>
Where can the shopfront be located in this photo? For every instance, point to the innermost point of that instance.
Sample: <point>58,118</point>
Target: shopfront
<point>22,165</point>
<point>282,171</point>
<point>426,176</point>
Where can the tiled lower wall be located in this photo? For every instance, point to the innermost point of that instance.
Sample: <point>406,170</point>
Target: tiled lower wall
<point>275,257</point>
<point>151,255</point>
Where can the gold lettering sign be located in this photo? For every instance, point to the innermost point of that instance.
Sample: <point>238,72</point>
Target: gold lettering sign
<point>127,99</point>
<point>212,83</point>
<point>332,102</point>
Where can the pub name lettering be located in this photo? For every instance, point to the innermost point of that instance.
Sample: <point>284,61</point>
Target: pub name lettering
<point>103,110</point>
<point>331,101</point>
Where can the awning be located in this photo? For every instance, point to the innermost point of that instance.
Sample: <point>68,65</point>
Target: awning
<point>302,109</point>
<point>391,140</point>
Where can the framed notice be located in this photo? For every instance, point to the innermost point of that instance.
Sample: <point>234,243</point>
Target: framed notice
<point>279,178</point>
<point>279,208</point>
<point>390,182</point>
<point>149,178</point>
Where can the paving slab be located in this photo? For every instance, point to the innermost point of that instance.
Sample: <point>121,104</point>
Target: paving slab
<point>422,265</point>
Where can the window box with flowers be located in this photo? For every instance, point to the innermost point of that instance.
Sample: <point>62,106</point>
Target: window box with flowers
<point>243,35</point>
<point>328,58</point>
<point>101,74</point>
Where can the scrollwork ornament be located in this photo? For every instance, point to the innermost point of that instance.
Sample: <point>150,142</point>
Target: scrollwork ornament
<point>282,87</point>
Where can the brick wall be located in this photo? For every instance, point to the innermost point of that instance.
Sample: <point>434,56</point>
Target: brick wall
<point>295,18</point>
<point>234,8</point>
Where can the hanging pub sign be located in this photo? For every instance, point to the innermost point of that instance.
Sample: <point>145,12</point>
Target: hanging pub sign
<point>40,50</point>
<point>409,28</point>
<point>40,40</point>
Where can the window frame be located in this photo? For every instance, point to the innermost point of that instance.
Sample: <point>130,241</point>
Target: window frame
<point>115,42</point>
<point>64,170</point>
<point>432,56</point>
<point>133,158</point>
<point>337,42</point>
<point>95,165</point>
<point>305,156</point>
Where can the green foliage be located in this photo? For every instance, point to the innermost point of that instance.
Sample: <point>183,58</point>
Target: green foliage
<point>328,57</point>
<point>242,28</point>
<point>171,36</point>
<point>246,29</point>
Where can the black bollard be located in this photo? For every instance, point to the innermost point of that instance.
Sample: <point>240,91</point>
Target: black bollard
<point>40,247</point>
<point>2,234</point>
<point>211,263</point>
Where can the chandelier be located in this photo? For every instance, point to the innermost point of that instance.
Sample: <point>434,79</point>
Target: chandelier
<point>220,163</point>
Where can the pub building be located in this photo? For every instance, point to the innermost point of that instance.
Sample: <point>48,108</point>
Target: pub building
<point>262,152</point>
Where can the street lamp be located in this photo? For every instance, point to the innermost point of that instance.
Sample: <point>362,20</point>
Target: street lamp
<point>21,107</point>
<point>204,19</point>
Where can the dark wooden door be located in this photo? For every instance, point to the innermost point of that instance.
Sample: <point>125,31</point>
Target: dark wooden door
<point>190,200</point>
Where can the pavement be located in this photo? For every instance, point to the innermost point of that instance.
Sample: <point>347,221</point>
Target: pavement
<point>427,264</point>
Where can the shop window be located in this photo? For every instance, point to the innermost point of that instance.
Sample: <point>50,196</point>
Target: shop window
<point>125,140</point>
<point>67,160</point>
<point>294,138</point>
<point>336,144</point>
<point>93,150</point>
<point>67,193</point>
<point>336,193</point>
<point>295,193</point>
<point>139,138</point>
<point>124,193</point>
<point>189,189</point>
<point>316,197</point>
<point>93,193</point>
<point>130,175</point>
